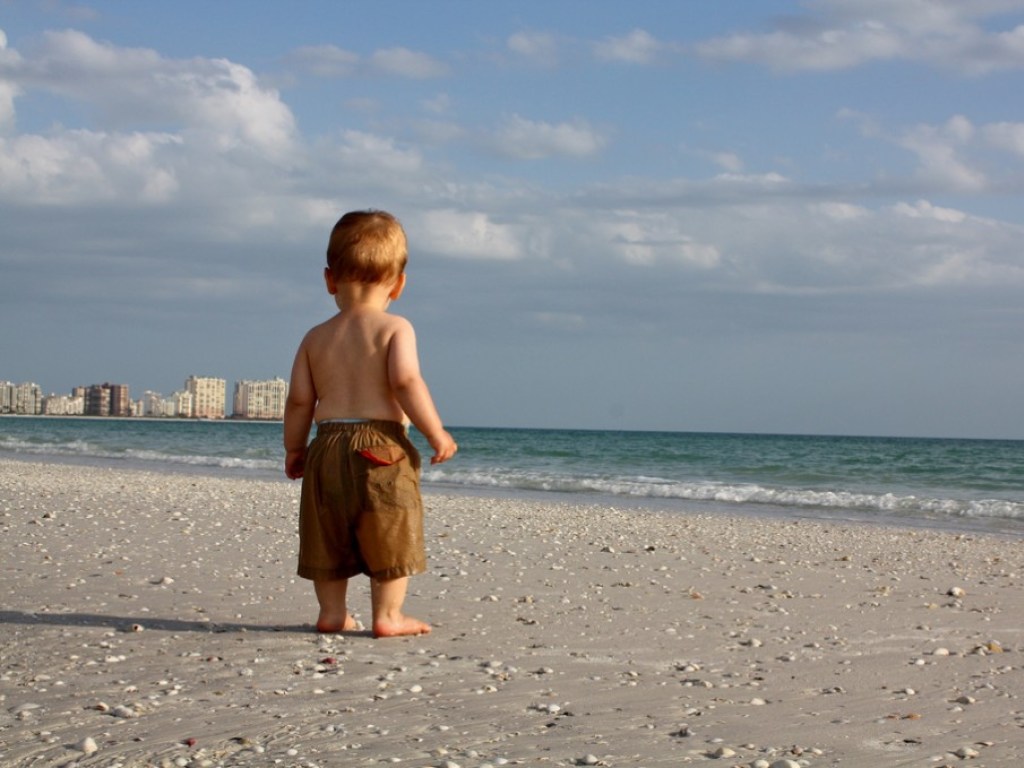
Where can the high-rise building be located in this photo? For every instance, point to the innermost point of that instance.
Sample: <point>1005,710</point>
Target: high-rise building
<point>182,404</point>
<point>25,399</point>
<point>260,399</point>
<point>120,400</point>
<point>63,405</point>
<point>207,396</point>
<point>97,400</point>
<point>105,399</point>
<point>152,404</point>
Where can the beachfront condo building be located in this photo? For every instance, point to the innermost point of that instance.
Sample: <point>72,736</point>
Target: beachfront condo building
<point>25,399</point>
<point>260,399</point>
<point>106,400</point>
<point>207,396</point>
<point>63,405</point>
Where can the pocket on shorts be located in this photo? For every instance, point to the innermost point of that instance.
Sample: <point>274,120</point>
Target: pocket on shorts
<point>383,455</point>
<point>390,476</point>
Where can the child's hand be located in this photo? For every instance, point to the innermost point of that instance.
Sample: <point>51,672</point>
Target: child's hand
<point>444,447</point>
<point>295,464</point>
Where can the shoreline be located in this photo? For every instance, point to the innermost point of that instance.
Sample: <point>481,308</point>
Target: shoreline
<point>231,419</point>
<point>158,419</point>
<point>639,504</point>
<point>157,618</point>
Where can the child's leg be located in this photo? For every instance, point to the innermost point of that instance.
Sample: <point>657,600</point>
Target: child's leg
<point>334,615</point>
<point>388,620</point>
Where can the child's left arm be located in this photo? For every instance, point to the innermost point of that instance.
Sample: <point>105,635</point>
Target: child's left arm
<point>412,393</point>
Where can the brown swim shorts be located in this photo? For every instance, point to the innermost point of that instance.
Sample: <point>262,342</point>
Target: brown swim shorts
<point>360,510</point>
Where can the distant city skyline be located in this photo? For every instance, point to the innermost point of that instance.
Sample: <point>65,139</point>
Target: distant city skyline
<point>200,397</point>
<point>185,378</point>
<point>790,216</point>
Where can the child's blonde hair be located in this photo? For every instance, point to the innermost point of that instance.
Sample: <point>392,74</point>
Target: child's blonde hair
<point>367,247</point>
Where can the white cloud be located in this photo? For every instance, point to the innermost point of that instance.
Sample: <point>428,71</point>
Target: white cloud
<point>464,235</point>
<point>530,140</point>
<point>923,209</point>
<point>332,61</point>
<point>959,128</point>
<point>8,91</point>
<point>407,63</point>
<point>228,159</point>
<point>903,247</point>
<point>214,98</point>
<point>638,47</point>
<point>364,151</point>
<point>326,60</point>
<point>938,151</point>
<point>649,238</point>
<point>240,112</point>
<point>840,211</point>
<point>538,47</point>
<point>438,104</point>
<point>700,255</point>
<point>770,179</point>
<point>757,242</point>
<point>822,50</point>
<point>840,34</point>
<point>729,161</point>
<point>223,135</point>
<point>89,167</point>
<point>936,16</point>
<point>1006,136</point>
<point>951,156</point>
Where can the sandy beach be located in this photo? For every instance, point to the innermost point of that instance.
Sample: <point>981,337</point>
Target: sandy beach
<point>155,620</point>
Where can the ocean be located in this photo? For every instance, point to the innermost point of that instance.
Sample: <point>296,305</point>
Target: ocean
<point>945,483</point>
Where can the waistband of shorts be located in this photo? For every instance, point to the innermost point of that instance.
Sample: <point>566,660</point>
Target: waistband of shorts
<point>342,426</point>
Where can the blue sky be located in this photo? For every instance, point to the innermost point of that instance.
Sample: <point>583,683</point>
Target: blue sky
<point>759,217</point>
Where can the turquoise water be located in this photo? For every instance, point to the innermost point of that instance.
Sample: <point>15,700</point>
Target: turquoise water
<point>944,482</point>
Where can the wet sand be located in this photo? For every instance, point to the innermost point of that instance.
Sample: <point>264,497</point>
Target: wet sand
<point>155,619</point>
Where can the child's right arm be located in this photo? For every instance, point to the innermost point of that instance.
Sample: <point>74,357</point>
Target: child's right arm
<point>298,414</point>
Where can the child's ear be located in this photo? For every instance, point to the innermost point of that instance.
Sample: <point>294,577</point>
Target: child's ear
<point>332,286</point>
<point>397,288</point>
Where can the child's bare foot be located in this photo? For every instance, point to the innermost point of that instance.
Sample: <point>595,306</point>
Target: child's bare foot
<point>402,626</point>
<point>328,625</point>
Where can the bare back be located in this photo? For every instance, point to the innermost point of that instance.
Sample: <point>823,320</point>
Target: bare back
<point>348,359</point>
